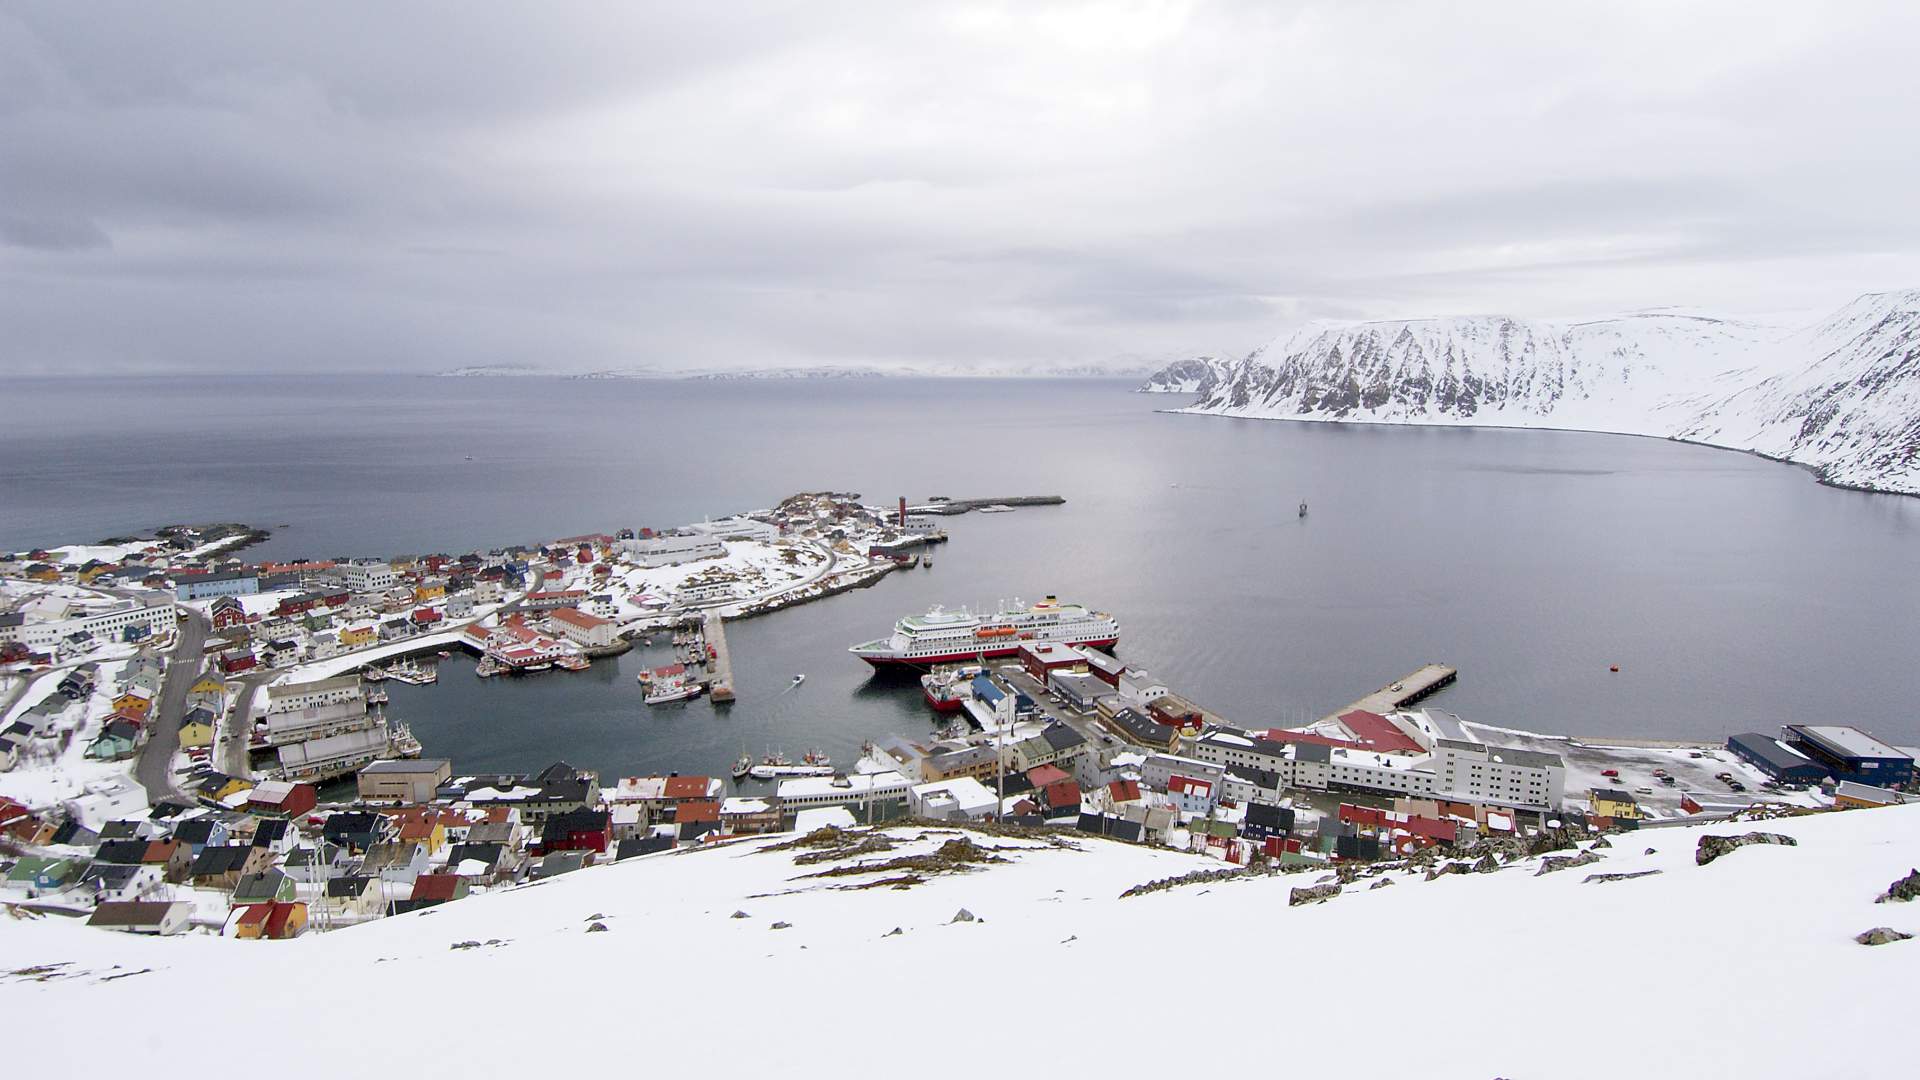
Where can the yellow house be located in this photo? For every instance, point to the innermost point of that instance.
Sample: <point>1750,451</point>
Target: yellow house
<point>226,788</point>
<point>354,637</point>
<point>132,704</point>
<point>91,572</point>
<point>429,590</point>
<point>195,731</point>
<point>429,834</point>
<point>1614,803</point>
<point>208,685</point>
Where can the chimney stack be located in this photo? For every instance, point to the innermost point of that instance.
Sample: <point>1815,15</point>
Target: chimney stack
<point>903,511</point>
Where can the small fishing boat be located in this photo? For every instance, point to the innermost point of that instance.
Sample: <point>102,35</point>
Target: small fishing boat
<point>1303,509</point>
<point>670,692</point>
<point>742,766</point>
<point>798,679</point>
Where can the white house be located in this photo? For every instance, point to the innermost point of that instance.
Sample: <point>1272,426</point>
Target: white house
<point>958,799</point>
<point>584,630</point>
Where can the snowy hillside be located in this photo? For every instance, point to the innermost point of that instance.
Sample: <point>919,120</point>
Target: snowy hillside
<point>1842,395</point>
<point>1510,972</point>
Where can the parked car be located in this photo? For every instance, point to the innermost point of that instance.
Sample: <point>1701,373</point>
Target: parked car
<point>1643,791</point>
<point>1611,774</point>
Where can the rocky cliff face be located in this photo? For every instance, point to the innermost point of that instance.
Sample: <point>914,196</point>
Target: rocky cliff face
<point>1842,396</point>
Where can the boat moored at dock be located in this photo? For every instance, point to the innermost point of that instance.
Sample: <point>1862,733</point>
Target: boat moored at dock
<point>942,636</point>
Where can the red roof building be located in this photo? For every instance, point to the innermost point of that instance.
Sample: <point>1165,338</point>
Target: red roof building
<point>1123,791</point>
<point>1062,796</point>
<point>1045,775</point>
<point>682,788</point>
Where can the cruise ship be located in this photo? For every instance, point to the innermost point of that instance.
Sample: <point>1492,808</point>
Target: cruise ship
<point>940,636</point>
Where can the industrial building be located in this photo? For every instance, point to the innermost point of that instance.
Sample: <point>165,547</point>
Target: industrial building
<point>1850,754</point>
<point>1776,758</point>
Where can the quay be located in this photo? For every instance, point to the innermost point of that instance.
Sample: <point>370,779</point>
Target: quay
<point>962,506</point>
<point>720,664</point>
<point>1404,691</point>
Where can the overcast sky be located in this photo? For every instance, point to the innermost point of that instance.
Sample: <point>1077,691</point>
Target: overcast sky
<point>260,187</point>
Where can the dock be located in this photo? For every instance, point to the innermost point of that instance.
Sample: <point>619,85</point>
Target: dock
<point>962,506</point>
<point>720,665</point>
<point>1403,691</point>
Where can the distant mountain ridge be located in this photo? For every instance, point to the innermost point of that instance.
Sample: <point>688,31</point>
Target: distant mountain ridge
<point>823,371</point>
<point>1841,396</point>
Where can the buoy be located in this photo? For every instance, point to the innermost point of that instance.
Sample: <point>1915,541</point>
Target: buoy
<point>1613,668</point>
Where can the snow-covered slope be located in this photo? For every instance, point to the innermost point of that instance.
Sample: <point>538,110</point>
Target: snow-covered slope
<point>1842,396</point>
<point>1745,967</point>
<point>1195,375</point>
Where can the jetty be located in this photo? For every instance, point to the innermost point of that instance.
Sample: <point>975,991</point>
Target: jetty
<point>720,662</point>
<point>962,506</point>
<point>1404,691</point>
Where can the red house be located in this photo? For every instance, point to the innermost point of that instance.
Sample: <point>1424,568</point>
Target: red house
<point>237,660</point>
<point>282,799</point>
<point>425,616</point>
<point>227,613</point>
<point>577,830</point>
<point>1062,798</point>
<point>295,605</point>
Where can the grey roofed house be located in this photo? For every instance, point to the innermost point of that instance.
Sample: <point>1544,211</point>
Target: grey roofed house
<point>642,845</point>
<point>351,887</point>
<point>1313,752</point>
<point>267,885</point>
<point>491,832</point>
<point>142,916</point>
<point>123,852</point>
<point>560,862</point>
<point>487,853</point>
<point>1508,755</point>
<point>219,860</point>
<point>1062,738</point>
<point>270,831</point>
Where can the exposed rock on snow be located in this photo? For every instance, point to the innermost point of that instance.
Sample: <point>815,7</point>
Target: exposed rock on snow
<point>1313,894</point>
<point>963,915</point>
<point>1566,862</point>
<point>1591,879</point>
<point>1841,396</point>
<point>1712,847</point>
<point>1901,891</point>
<point>1881,935</point>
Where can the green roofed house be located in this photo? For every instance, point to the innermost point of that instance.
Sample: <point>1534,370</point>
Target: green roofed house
<point>41,875</point>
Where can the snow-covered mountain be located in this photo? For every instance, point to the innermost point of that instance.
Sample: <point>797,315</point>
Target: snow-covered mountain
<point>1841,396</point>
<point>844,957</point>
<point>1195,375</point>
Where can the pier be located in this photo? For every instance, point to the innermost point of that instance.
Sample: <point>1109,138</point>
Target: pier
<point>962,506</point>
<point>1403,691</point>
<point>720,664</point>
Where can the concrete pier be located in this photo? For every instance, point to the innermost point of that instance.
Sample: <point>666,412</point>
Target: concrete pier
<point>962,506</point>
<point>1404,691</point>
<point>720,666</point>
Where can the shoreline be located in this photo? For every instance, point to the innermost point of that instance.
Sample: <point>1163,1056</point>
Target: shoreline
<point>1817,472</point>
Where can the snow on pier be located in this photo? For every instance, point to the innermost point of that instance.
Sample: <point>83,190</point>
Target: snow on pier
<point>1403,691</point>
<point>719,661</point>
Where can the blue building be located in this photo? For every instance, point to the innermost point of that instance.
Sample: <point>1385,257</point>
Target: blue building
<point>229,583</point>
<point>1776,759</point>
<point>1850,754</point>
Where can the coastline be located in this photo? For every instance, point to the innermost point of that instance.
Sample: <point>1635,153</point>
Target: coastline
<point>1817,472</point>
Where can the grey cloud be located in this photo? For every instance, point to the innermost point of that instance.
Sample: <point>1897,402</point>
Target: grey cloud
<point>239,186</point>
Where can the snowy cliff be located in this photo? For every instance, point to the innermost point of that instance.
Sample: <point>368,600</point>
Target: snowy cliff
<point>1196,375</point>
<point>1841,396</point>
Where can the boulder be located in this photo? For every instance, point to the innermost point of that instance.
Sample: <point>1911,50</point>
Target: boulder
<point>781,926</point>
<point>1382,883</point>
<point>1314,894</point>
<point>1881,935</point>
<point>963,915</point>
<point>1566,862</point>
<point>596,928</point>
<point>1907,888</point>
<point>1712,847</point>
<point>738,915</point>
<point>1487,864</point>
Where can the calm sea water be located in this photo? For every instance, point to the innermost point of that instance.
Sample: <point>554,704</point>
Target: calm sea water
<point>1734,593</point>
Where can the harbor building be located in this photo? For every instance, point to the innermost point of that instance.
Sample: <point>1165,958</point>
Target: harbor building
<point>1476,772</point>
<point>127,622</point>
<point>1776,758</point>
<point>668,549</point>
<point>584,630</point>
<point>1850,754</point>
<point>227,583</point>
<point>368,576</point>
